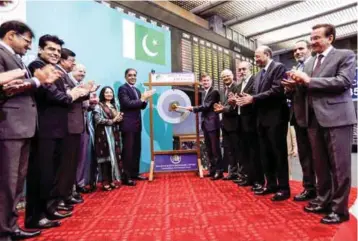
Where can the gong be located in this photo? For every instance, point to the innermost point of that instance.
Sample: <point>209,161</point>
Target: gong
<point>168,103</point>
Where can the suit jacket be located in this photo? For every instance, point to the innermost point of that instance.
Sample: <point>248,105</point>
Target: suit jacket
<point>247,112</point>
<point>75,119</point>
<point>330,91</point>
<point>131,107</point>
<point>18,114</point>
<point>52,105</point>
<point>210,119</point>
<point>229,114</point>
<point>269,98</point>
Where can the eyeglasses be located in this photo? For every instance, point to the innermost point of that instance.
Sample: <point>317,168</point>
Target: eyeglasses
<point>242,69</point>
<point>24,38</point>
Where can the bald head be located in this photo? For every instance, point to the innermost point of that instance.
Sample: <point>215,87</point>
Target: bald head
<point>263,54</point>
<point>244,69</point>
<point>227,76</point>
<point>79,72</point>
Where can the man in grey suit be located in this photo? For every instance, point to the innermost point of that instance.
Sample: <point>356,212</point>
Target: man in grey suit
<point>329,114</point>
<point>18,117</point>
<point>302,54</point>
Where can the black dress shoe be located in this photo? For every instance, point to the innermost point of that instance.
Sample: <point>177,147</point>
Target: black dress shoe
<point>315,208</point>
<point>66,208</point>
<point>42,224</point>
<point>73,200</point>
<point>217,176</point>
<point>305,195</point>
<point>77,196</point>
<point>256,187</point>
<point>56,215</point>
<point>82,189</point>
<point>334,218</point>
<point>244,183</point>
<point>264,191</point>
<point>280,196</point>
<point>209,175</point>
<point>230,177</point>
<point>128,182</point>
<point>19,234</point>
<point>140,178</point>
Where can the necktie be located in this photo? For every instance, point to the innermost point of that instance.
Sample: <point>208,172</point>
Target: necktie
<point>318,66</point>
<point>301,65</point>
<point>27,74</point>
<point>263,71</point>
<point>135,92</point>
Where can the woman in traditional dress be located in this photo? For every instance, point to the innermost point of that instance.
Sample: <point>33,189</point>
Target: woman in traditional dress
<point>107,138</point>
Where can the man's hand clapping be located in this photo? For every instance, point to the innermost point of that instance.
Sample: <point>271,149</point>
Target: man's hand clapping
<point>48,74</point>
<point>147,94</point>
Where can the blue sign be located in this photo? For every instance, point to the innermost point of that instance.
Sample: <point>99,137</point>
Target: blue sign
<point>355,87</point>
<point>176,163</point>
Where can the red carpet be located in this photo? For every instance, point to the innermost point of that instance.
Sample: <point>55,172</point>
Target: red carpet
<point>180,206</point>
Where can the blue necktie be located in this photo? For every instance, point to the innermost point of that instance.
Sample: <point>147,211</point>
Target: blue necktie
<point>263,71</point>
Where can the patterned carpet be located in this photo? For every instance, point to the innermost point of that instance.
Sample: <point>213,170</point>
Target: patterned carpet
<point>180,206</point>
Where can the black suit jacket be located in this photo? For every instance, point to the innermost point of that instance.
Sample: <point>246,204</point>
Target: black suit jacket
<point>269,98</point>
<point>131,107</point>
<point>247,112</point>
<point>52,105</point>
<point>229,114</point>
<point>210,119</point>
<point>75,119</point>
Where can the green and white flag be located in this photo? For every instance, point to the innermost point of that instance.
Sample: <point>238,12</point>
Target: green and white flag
<point>142,43</point>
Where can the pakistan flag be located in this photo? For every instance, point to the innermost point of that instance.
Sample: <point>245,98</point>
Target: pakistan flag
<point>142,43</point>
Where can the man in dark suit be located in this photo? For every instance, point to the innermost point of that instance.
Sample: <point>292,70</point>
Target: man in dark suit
<point>66,177</point>
<point>328,112</point>
<point>210,124</point>
<point>131,103</point>
<point>47,150</point>
<point>229,126</point>
<point>18,116</point>
<point>248,140</point>
<point>302,54</point>
<point>272,120</point>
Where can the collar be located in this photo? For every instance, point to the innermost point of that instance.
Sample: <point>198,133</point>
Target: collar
<point>132,86</point>
<point>62,69</point>
<point>268,64</point>
<point>7,47</point>
<point>247,79</point>
<point>228,87</point>
<point>326,52</point>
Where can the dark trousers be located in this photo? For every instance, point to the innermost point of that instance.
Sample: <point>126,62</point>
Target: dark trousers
<point>212,143</point>
<point>305,157</point>
<point>14,155</point>
<point>66,175</point>
<point>41,192</point>
<point>273,154</point>
<point>106,172</point>
<point>131,154</point>
<point>231,149</point>
<point>331,152</point>
<point>250,155</point>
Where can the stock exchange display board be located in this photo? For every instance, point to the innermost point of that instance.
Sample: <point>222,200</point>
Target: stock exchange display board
<point>198,55</point>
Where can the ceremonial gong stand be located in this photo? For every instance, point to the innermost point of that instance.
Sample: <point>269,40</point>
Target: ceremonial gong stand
<point>173,152</point>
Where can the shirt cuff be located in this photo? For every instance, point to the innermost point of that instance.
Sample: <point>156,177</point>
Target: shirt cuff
<point>37,81</point>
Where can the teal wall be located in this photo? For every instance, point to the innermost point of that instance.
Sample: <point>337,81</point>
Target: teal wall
<point>94,32</point>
